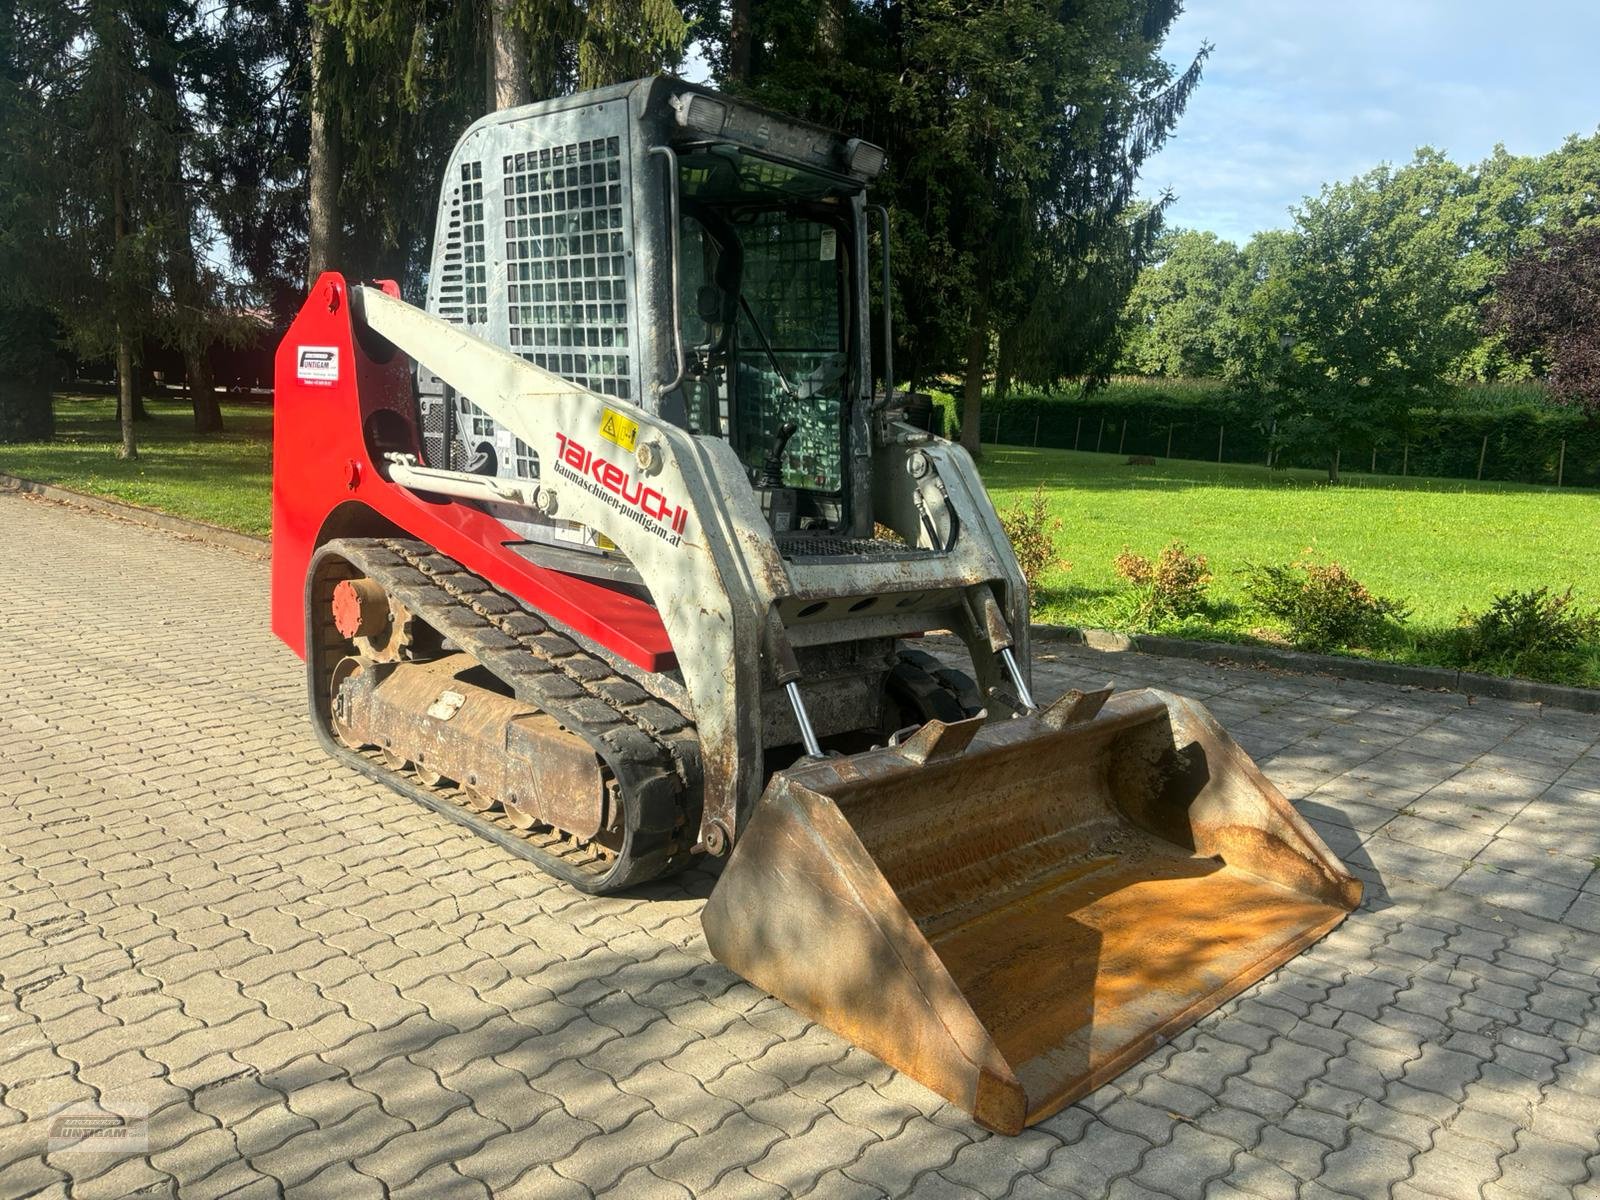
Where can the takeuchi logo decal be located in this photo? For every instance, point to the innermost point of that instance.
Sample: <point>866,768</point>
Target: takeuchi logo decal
<point>629,495</point>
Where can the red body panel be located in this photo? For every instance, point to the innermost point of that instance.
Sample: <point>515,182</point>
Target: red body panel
<point>326,411</point>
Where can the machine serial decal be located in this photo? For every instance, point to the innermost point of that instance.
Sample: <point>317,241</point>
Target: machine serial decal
<point>317,365</point>
<point>630,496</point>
<point>618,429</point>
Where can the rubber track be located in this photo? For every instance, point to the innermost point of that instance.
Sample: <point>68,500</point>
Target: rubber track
<point>649,749</point>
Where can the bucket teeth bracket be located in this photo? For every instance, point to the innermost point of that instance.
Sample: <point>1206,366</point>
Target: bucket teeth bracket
<point>938,739</point>
<point>1075,707</point>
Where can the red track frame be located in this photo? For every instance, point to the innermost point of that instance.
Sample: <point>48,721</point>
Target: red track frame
<point>325,485</point>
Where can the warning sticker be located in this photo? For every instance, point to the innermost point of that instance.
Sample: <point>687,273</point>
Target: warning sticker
<point>317,365</point>
<point>830,245</point>
<point>618,429</point>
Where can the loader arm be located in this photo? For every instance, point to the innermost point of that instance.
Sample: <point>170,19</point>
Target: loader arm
<point>677,506</point>
<point>681,509</point>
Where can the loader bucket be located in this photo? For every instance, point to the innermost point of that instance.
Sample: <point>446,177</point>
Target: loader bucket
<point>1013,913</point>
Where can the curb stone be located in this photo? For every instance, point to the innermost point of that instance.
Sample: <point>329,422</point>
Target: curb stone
<point>1586,700</point>
<point>1446,679</point>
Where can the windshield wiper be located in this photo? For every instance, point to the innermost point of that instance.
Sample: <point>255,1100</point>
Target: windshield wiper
<point>761,336</point>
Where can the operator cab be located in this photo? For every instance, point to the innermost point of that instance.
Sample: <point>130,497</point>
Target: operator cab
<point>766,288</point>
<point>679,250</point>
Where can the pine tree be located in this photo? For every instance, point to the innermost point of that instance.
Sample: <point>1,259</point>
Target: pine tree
<point>33,41</point>
<point>396,83</point>
<point>1015,130</point>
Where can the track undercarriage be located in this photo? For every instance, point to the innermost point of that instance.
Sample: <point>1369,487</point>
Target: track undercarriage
<point>608,791</point>
<point>425,678</point>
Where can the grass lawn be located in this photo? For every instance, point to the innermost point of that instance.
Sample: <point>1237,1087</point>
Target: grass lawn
<point>1439,545</point>
<point>222,478</point>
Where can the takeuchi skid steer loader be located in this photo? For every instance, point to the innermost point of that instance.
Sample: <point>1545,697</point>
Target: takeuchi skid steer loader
<point>608,553</point>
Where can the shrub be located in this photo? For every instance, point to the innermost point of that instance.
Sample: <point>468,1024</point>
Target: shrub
<point>1174,585</point>
<point>1527,630</point>
<point>1033,531</point>
<point>1321,605</point>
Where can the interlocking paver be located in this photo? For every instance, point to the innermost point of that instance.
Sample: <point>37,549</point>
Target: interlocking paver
<point>698,1162</point>
<point>796,1163</point>
<point>600,1161</point>
<point>1300,1156</point>
<point>298,969</point>
<point>107,1177</point>
<point>1184,1166</point>
<point>1088,1166</point>
<point>1541,1163</point>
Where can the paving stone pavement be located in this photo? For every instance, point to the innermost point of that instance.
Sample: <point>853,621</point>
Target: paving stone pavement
<point>312,987</point>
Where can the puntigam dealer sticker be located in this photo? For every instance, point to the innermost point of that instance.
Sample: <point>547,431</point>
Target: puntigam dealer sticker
<point>317,365</point>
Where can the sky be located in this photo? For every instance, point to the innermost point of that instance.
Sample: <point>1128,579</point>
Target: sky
<point>1302,92</point>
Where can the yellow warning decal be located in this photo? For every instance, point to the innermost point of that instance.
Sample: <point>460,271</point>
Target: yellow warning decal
<point>618,429</point>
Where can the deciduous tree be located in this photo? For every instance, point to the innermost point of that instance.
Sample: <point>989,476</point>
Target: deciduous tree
<point>1176,311</point>
<point>1547,306</point>
<point>1376,309</point>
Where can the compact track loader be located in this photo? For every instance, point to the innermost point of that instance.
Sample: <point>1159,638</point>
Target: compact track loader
<point>610,553</point>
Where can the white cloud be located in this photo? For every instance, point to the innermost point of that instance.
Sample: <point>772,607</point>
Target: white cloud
<point>1299,94</point>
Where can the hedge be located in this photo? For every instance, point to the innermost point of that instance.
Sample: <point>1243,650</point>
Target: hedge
<point>1520,441</point>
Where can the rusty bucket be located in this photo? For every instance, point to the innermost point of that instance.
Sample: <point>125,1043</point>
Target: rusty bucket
<point>1013,913</point>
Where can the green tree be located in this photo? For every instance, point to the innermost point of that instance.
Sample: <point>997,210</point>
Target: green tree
<point>393,85</point>
<point>1516,202</point>
<point>1015,131</point>
<point>253,157</point>
<point>96,233</point>
<point>1255,325</point>
<point>34,37</point>
<point>106,143</point>
<point>183,59</point>
<point>1032,122</point>
<point>1176,312</point>
<point>1376,307</point>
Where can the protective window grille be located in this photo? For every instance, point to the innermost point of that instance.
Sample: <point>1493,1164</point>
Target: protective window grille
<point>475,271</point>
<point>464,296</point>
<point>479,423</point>
<point>566,280</point>
<point>791,281</point>
<point>526,459</point>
